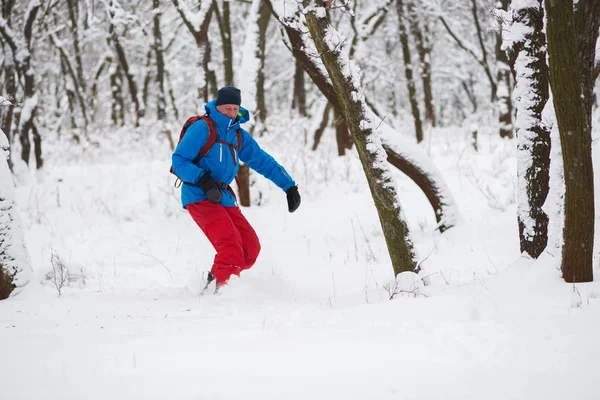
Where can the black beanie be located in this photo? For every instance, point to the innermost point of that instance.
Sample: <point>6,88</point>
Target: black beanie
<point>229,95</point>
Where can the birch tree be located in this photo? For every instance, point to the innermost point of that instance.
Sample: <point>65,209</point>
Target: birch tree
<point>533,135</point>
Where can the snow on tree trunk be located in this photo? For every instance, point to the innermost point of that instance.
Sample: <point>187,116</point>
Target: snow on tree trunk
<point>347,84</point>
<point>15,267</point>
<point>533,136</point>
<point>576,141</point>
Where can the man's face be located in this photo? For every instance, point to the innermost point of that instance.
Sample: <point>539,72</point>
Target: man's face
<point>231,110</point>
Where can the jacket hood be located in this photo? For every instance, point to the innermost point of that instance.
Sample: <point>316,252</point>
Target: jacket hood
<point>223,121</point>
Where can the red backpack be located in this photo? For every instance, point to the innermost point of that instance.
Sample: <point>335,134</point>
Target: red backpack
<point>212,138</point>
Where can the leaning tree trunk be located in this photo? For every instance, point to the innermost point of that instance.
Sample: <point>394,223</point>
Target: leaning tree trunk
<point>533,135</point>
<point>410,82</point>
<point>369,147</point>
<point>444,207</point>
<point>575,137</point>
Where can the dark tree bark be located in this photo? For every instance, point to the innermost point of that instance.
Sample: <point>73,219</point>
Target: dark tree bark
<point>299,102</point>
<point>503,73</point>
<point>161,100</point>
<point>420,33</point>
<point>408,73</point>
<point>569,68</point>
<point>342,135</point>
<point>243,182</point>
<point>533,136</point>
<point>384,195</point>
<point>425,183</point>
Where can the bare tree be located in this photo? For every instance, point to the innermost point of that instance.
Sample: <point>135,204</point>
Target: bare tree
<point>408,72</point>
<point>15,267</point>
<point>572,38</point>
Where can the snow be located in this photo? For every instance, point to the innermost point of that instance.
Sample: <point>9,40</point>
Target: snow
<point>312,319</point>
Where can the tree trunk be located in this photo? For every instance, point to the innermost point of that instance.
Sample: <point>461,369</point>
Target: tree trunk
<point>73,14</point>
<point>199,30</point>
<point>342,134</point>
<point>410,83</point>
<point>424,52</point>
<point>161,98</point>
<point>299,102</point>
<point>263,24</point>
<point>503,74</point>
<point>395,229</point>
<point>429,187</point>
<point>533,136</point>
<point>117,108</point>
<point>322,126</point>
<point>570,104</point>
<point>243,182</point>
<point>131,83</point>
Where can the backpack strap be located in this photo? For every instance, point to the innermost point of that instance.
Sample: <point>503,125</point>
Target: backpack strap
<point>212,137</point>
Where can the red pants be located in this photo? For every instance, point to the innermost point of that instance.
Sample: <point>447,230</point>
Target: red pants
<point>231,235</point>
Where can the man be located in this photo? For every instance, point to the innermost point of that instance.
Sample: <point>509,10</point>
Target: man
<point>206,193</point>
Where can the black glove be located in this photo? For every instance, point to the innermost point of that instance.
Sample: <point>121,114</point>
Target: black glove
<point>210,188</point>
<point>293,198</point>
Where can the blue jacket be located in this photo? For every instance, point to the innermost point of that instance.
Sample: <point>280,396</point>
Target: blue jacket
<point>220,160</point>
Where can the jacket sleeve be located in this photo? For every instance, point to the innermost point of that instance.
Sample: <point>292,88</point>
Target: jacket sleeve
<point>187,150</point>
<point>263,163</point>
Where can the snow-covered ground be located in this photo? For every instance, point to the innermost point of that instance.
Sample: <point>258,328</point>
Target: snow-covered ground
<point>312,319</point>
